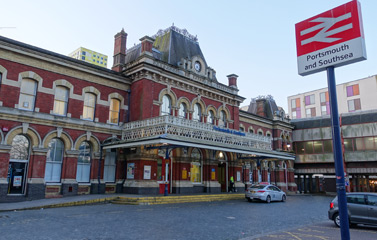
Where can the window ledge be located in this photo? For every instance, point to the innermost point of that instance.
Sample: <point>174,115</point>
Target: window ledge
<point>53,183</point>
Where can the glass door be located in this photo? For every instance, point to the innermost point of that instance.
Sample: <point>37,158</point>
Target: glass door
<point>17,177</point>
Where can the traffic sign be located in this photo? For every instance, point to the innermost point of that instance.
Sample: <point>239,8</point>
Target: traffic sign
<point>332,38</point>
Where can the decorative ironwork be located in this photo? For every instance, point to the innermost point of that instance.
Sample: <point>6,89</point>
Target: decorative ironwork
<point>190,131</point>
<point>184,32</point>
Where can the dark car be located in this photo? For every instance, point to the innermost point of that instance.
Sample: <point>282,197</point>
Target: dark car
<point>361,206</point>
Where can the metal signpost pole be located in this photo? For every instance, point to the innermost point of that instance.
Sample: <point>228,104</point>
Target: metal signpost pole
<point>338,156</point>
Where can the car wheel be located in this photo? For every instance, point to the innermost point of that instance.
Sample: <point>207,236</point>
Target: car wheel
<point>283,198</point>
<point>268,199</point>
<point>249,199</point>
<point>336,219</point>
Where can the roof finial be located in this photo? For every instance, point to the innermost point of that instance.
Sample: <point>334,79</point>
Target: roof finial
<point>173,24</point>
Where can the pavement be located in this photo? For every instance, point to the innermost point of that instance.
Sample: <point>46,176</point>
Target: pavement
<point>61,202</point>
<point>83,200</point>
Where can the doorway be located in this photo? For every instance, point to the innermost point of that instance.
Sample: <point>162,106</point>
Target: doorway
<point>221,168</point>
<point>18,165</point>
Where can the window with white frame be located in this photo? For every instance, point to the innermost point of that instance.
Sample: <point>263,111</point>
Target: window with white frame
<point>60,101</point>
<point>114,111</point>
<point>182,113</point>
<point>83,162</point>
<point>196,166</point>
<point>110,165</point>
<point>354,105</point>
<point>28,93</point>
<point>211,117</point>
<point>166,105</point>
<point>197,115</point>
<point>89,106</point>
<point>54,160</point>
<point>222,119</point>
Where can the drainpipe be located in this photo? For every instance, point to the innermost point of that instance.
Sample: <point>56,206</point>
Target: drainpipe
<point>99,168</point>
<point>128,102</point>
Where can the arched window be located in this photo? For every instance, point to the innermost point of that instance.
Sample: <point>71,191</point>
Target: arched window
<point>196,166</point>
<point>89,106</point>
<point>28,92</point>
<point>166,105</point>
<point>54,160</point>
<point>114,111</point>
<point>251,130</point>
<point>211,117</point>
<point>260,132</point>
<point>18,165</point>
<point>182,110</point>
<point>222,119</point>
<point>197,115</point>
<point>83,162</point>
<point>60,101</point>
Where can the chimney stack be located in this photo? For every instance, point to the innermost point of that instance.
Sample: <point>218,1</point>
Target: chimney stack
<point>120,40</point>
<point>146,44</point>
<point>232,79</point>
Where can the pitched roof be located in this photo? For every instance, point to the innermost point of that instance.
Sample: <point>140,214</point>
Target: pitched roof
<point>170,46</point>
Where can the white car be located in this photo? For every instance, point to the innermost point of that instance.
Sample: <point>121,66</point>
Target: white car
<point>265,192</point>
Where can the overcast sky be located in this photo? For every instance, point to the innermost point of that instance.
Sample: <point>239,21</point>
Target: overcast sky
<point>254,39</point>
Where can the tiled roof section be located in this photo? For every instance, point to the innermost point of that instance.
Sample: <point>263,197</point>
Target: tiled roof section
<point>57,55</point>
<point>174,46</point>
<point>349,119</point>
<point>269,106</point>
<point>133,53</point>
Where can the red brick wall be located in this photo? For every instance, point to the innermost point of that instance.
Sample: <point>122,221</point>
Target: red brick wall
<point>10,95</point>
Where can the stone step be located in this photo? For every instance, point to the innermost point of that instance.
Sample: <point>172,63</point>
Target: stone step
<point>176,199</point>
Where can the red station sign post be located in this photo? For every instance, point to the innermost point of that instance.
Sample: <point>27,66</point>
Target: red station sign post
<point>332,39</point>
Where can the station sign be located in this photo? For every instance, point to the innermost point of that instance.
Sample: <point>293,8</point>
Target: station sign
<point>332,38</point>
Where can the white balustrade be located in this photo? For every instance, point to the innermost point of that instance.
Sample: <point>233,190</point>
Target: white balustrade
<point>191,131</point>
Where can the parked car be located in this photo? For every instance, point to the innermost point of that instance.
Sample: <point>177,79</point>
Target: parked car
<point>265,192</point>
<point>361,206</point>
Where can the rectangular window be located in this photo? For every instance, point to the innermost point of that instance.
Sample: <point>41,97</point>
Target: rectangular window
<point>83,57</point>
<point>89,106</point>
<point>353,90</point>
<point>323,110</point>
<point>348,145</point>
<point>318,147</point>
<point>309,100</point>
<point>369,143</point>
<point>114,111</point>
<point>27,94</point>
<point>327,146</point>
<point>294,115</point>
<point>300,148</point>
<point>359,144</point>
<point>309,147</point>
<point>293,103</point>
<point>310,112</point>
<point>60,101</point>
<point>354,105</point>
<point>83,53</point>
<point>322,97</point>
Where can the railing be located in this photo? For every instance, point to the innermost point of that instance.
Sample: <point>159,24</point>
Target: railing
<point>190,131</point>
